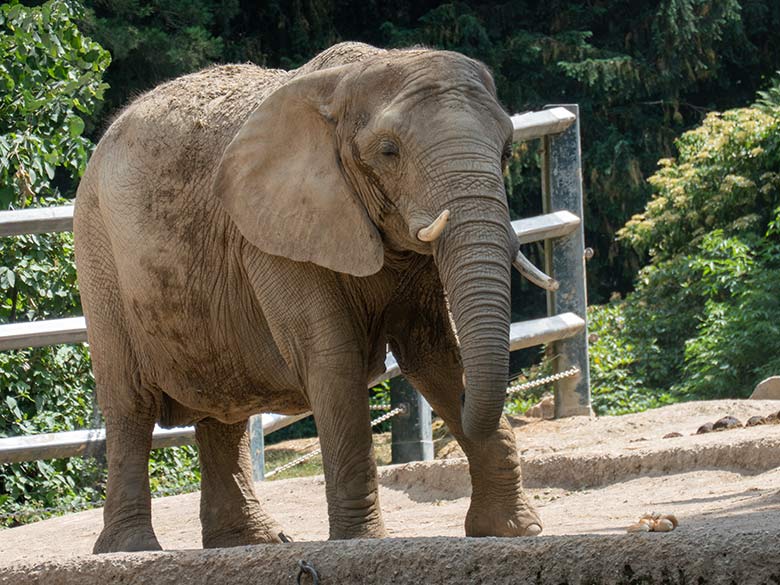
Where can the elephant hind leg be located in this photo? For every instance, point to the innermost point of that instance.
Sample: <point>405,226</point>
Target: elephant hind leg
<point>130,410</point>
<point>230,513</point>
<point>127,515</point>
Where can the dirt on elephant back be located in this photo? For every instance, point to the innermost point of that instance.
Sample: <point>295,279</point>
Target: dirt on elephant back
<point>590,479</point>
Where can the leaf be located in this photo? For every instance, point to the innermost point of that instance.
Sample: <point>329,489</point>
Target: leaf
<point>7,277</point>
<point>49,168</point>
<point>75,126</point>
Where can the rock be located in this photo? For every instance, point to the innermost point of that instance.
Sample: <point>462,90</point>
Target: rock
<point>773,418</point>
<point>727,422</point>
<point>705,428</point>
<point>672,435</point>
<point>671,518</point>
<point>545,408</point>
<point>754,421</point>
<point>769,389</point>
<point>655,523</point>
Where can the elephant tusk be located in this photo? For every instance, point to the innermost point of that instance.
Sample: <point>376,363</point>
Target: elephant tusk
<point>533,274</point>
<point>433,231</point>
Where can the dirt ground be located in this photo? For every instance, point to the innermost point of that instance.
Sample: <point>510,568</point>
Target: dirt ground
<point>589,477</point>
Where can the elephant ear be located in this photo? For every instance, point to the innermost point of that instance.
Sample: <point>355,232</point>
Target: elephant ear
<point>280,180</point>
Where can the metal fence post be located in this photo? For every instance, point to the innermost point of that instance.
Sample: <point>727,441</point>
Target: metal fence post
<point>257,447</point>
<point>411,431</point>
<point>565,260</point>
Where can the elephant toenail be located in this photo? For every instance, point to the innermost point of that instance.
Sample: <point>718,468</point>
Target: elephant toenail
<point>533,530</point>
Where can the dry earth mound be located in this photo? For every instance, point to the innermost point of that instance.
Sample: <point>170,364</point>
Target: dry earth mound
<point>590,478</point>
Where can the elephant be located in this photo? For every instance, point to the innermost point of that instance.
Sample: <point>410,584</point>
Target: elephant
<point>251,240</point>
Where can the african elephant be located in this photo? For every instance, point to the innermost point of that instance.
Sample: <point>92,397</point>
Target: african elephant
<point>250,240</point>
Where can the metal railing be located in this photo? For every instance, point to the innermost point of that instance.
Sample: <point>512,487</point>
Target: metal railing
<point>560,227</point>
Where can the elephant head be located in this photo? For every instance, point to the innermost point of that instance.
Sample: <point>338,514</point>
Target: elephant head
<point>405,151</point>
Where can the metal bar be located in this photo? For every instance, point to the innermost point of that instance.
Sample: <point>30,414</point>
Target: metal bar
<point>544,330</point>
<point>412,434</point>
<point>38,220</point>
<point>392,369</point>
<point>42,333</point>
<point>92,441</point>
<point>84,443</point>
<point>537,124</point>
<point>257,446</point>
<point>543,227</point>
<point>563,183</point>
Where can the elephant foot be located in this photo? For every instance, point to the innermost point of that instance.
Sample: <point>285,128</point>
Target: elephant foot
<point>126,539</point>
<point>374,528</point>
<point>489,518</point>
<point>226,538</point>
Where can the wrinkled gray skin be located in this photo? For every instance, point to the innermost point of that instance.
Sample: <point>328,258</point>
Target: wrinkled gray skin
<point>246,241</point>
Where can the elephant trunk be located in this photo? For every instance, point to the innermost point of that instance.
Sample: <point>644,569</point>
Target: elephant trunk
<point>474,259</point>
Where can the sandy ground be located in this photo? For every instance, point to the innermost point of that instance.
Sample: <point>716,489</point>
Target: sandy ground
<point>587,477</point>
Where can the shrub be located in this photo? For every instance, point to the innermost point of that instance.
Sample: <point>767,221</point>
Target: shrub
<point>703,319</point>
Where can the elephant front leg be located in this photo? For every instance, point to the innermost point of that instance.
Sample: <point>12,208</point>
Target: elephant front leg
<point>340,406</point>
<point>422,340</point>
<point>499,506</point>
<point>230,514</point>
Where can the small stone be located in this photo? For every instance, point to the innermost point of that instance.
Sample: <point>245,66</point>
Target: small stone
<point>754,421</point>
<point>663,525</point>
<point>769,389</point>
<point>672,435</point>
<point>638,527</point>
<point>726,423</point>
<point>705,428</point>
<point>773,418</point>
<point>671,518</point>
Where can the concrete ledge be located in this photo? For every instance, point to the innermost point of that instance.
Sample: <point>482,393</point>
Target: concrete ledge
<point>677,558</point>
<point>578,470</point>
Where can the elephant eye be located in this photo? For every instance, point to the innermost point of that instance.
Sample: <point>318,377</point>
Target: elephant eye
<point>388,148</point>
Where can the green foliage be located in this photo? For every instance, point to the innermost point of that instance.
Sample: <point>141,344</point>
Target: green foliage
<point>642,71</point>
<point>50,79</point>
<point>154,41</point>
<point>174,470</point>
<point>705,310</point>
<point>769,100</point>
<point>726,177</point>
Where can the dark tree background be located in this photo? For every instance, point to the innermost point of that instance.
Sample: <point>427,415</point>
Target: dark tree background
<point>642,71</point>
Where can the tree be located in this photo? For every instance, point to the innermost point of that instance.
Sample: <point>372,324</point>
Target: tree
<point>51,80</point>
<point>703,319</point>
<point>642,71</point>
<point>51,77</point>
